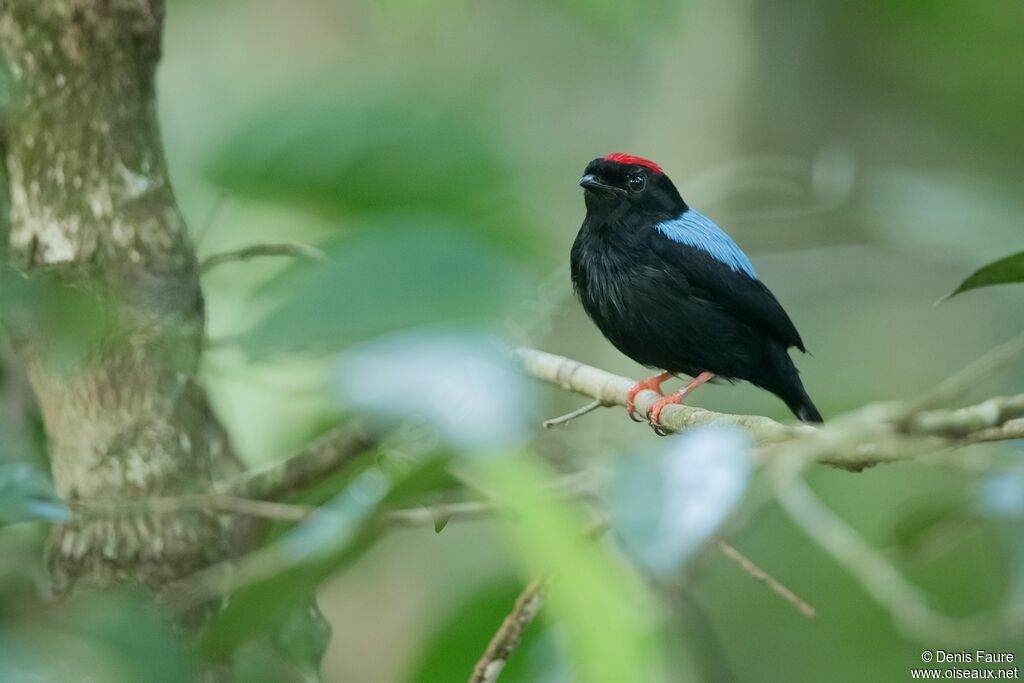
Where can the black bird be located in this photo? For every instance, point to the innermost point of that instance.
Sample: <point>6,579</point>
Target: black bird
<point>672,291</point>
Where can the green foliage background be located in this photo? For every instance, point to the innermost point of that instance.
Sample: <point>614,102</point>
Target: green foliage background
<point>867,155</point>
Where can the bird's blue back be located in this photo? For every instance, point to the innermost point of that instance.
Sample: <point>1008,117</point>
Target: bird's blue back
<point>699,231</point>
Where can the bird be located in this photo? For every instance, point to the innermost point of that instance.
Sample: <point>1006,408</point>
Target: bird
<point>672,291</point>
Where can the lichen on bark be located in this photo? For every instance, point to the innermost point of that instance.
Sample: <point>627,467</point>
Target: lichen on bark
<point>91,201</point>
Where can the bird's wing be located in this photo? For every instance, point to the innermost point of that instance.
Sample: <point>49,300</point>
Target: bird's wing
<point>718,271</point>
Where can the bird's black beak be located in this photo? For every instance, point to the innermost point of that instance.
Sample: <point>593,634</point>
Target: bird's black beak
<point>594,183</point>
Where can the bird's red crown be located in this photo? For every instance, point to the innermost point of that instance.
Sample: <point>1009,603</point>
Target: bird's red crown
<point>635,161</point>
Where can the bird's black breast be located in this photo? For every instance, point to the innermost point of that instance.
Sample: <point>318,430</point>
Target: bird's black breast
<point>664,309</point>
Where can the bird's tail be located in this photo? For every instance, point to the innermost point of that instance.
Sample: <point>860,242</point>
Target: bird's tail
<point>781,377</point>
<point>801,404</point>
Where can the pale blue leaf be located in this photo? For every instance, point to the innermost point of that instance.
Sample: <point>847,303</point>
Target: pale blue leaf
<point>27,494</point>
<point>665,507</point>
<point>463,385</point>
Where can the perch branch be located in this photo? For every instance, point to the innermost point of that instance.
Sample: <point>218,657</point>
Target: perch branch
<point>609,390</point>
<point>871,435</point>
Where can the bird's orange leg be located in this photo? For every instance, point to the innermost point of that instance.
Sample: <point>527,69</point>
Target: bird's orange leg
<point>654,414</point>
<point>652,383</point>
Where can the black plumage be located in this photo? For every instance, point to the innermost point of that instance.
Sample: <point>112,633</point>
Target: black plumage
<point>672,291</point>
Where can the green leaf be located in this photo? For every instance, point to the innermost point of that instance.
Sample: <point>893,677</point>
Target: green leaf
<point>364,149</point>
<point>290,569</point>
<point>462,637</point>
<point>27,494</point>
<point>925,523</point>
<point>1009,270</point>
<point>611,628</point>
<point>404,274</point>
<point>115,637</point>
<point>141,640</point>
<point>636,20</point>
<point>303,638</point>
<point>65,319</point>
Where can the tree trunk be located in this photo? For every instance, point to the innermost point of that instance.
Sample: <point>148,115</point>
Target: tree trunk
<point>91,202</point>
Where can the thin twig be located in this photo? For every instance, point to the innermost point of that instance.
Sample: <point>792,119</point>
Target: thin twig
<point>962,381</point>
<point>290,249</point>
<point>760,575</point>
<point>579,412</point>
<point>207,502</point>
<point>509,635</point>
<point>529,602</point>
<point>334,450</point>
<point>432,515</point>
<point>212,215</point>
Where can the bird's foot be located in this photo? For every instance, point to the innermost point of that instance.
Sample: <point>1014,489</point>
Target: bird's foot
<point>652,383</point>
<point>654,414</point>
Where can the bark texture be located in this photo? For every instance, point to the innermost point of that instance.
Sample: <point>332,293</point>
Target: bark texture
<point>91,202</point>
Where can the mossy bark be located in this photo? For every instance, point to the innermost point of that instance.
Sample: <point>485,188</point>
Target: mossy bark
<point>91,201</point>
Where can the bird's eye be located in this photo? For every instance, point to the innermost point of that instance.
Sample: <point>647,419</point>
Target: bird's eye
<point>637,182</point>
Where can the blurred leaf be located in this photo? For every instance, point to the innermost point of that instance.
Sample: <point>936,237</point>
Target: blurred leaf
<point>27,494</point>
<point>665,508</point>
<point>1009,270</point>
<point>914,528</point>
<point>130,630</point>
<point>19,663</point>
<point>459,641</point>
<point>115,637</point>
<point>940,58</point>
<point>258,661</point>
<point>1001,496</point>
<point>460,384</point>
<point>288,571</point>
<point>634,19</point>
<point>292,653</point>
<point>365,149</point>
<point>610,624</point>
<point>64,320</point>
<point>303,638</point>
<point>411,274</point>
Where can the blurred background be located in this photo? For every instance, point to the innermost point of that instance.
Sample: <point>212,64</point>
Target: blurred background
<point>868,156</point>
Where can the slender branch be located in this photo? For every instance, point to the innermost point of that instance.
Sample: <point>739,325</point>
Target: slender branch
<point>985,366</point>
<point>290,249</point>
<point>579,486</point>
<point>510,634</point>
<point>996,418</point>
<point>443,513</point>
<point>332,451</point>
<point>208,502</point>
<point>905,601</point>
<point>761,576</point>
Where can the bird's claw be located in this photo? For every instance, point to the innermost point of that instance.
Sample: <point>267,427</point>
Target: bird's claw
<point>631,398</point>
<point>654,414</point>
<point>652,383</point>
